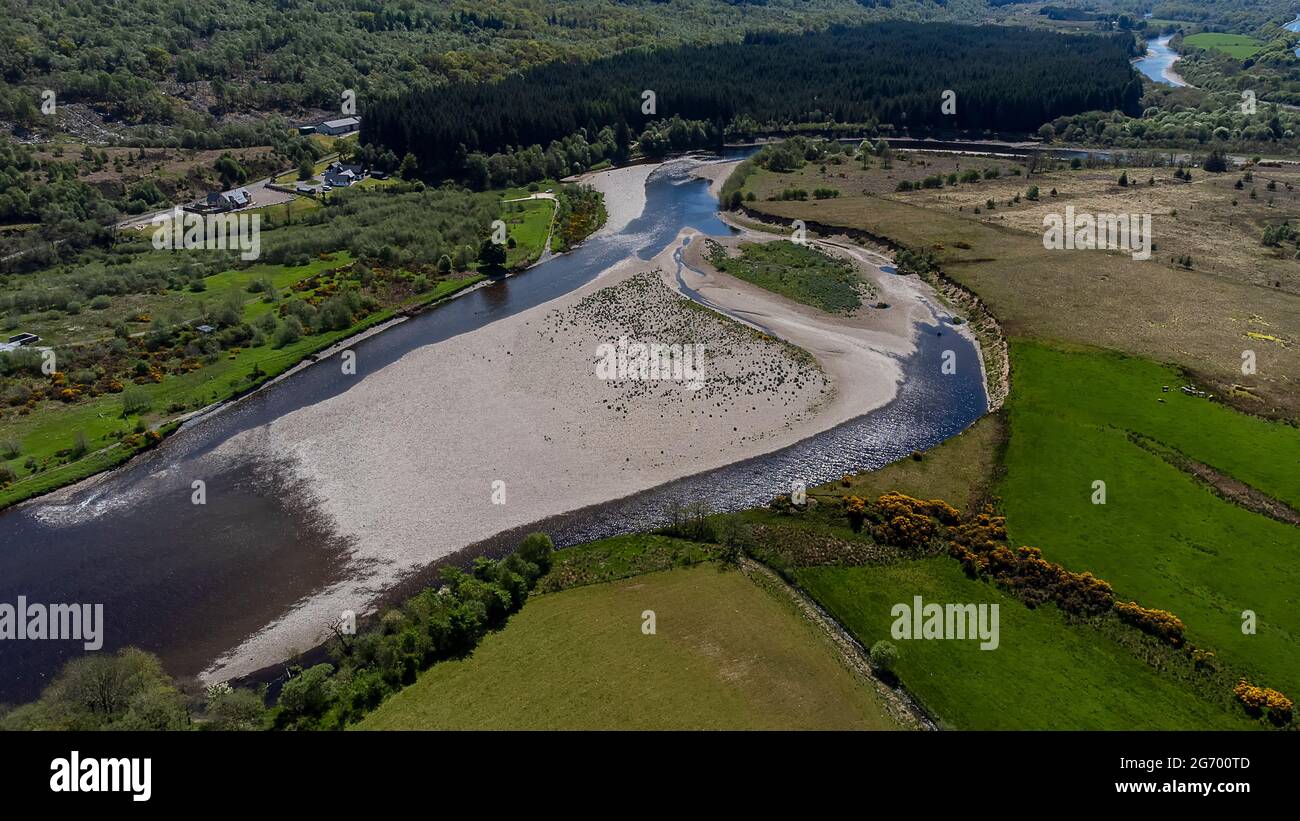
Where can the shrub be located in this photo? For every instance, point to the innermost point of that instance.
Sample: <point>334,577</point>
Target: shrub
<point>305,697</point>
<point>884,655</point>
<point>1264,700</point>
<point>855,509</point>
<point>536,548</point>
<point>1159,623</point>
<point>1216,162</point>
<point>907,522</point>
<point>229,709</point>
<point>289,332</point>
<point>135,401</point>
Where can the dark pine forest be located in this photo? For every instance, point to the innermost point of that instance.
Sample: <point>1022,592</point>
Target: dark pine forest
<point>892,74</point>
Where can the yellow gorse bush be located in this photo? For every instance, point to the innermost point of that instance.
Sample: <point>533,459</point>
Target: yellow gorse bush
<point>1258,700</point>
<point>1160,623</point>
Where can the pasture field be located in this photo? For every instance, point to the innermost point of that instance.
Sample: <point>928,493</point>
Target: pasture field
<point>726,654</point>
<point>1045,673</point>
<point>1237,46</point>
<point>1161,537</point>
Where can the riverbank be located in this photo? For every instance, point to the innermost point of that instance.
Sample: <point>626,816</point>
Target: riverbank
<point>624,192</point>
<point>716,173</point>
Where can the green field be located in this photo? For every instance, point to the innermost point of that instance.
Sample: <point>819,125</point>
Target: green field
<point>1238,46</point>
<point>798,272</point>
<point>726,654</point>
<point>528,224</point>
<point>1044,674</point>
<point>1160,538</point>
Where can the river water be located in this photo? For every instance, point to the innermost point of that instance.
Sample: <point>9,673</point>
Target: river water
<point>190,582</point>
<point>1294,25</point>
<point>1159,61</point>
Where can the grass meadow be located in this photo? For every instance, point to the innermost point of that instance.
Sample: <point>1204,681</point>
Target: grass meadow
<point>1160,538</point>
<point>797,272</point>
<point>726,654</point>
<point>1237,46</point>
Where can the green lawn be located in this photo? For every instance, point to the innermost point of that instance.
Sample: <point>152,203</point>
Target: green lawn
<point>1160,538</point>
<point>528,224</point>
<point>726,654</point>
<point>1044,674</point>
<point>1237,46</point>
<point>798,272</point>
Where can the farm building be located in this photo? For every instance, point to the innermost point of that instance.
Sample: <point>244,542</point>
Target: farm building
<point>335,127</point>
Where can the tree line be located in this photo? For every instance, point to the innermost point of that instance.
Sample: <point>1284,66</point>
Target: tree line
<point>1004,79</point>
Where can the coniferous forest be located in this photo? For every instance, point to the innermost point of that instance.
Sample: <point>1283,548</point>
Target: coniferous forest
<point>1004,79</point>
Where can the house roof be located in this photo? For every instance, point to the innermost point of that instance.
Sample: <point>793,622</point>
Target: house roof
<point>343,123</point>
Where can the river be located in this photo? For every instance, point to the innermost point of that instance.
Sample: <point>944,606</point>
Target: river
<point>190,582</point>
<point>1159,61</point>
<point>1294,25</point>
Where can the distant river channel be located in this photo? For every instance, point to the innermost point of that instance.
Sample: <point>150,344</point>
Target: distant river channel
<point>1158,64</point>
